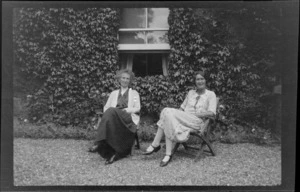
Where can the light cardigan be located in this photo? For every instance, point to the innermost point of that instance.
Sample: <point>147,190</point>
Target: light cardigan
<point>134,104</point>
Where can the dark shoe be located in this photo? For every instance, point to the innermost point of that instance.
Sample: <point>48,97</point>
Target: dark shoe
<point>155,149</point>
<point>114,158</point>
<point>163,163</point>
<point>93,149</point>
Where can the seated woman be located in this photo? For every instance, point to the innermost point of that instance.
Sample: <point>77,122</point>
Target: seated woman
<point>116,131</point>
<point>176,124</point>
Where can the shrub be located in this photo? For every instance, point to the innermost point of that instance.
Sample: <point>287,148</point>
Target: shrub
<point>215,41</point>
<point>25,129</point>
<point>157,92</point>
<point>69,51</point>
<point>73,52</point>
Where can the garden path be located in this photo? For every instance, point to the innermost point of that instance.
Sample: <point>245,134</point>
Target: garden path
<point>46,162</point>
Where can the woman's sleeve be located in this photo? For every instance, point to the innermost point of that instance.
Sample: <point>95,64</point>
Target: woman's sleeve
<point>136,102</point>
<point>108,102</point>
<point>183,105</point>
<point>212,103</point>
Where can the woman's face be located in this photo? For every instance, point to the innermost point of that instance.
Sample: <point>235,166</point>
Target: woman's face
<point>124,80</point>
<point>200,82</point>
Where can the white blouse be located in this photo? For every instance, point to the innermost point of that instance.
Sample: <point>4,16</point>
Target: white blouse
<point>134,104</point>
<point>196,104</point>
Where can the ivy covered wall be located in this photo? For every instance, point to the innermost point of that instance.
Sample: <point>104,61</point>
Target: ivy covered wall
<point>64,53</point>
<point>68,51</point>
<point>238,49</point>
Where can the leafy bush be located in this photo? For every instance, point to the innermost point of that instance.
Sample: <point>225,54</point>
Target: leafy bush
<point>69,51</point>
<point>157,92</point>
<point>146,132</point>
<point>25,129</point>
<point>215,41</point>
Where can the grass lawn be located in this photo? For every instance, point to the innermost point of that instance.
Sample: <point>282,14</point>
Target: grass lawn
<point>46,162</point>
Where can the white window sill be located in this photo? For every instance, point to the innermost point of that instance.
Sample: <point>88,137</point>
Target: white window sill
<point>132,47</point>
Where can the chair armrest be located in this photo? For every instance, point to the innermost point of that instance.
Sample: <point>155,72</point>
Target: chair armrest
<point>207,122</point>
<point>212,117</point>
<point>100,113</point>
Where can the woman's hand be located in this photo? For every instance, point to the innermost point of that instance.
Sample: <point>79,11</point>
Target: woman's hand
<point>127,110</point>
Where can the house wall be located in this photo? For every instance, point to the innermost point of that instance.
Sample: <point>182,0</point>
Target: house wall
<point>71,51</point>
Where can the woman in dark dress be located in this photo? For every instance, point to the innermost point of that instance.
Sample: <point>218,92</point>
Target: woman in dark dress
<point>116,131</point>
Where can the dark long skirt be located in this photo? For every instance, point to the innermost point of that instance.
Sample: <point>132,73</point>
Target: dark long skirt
<point>116,133</point>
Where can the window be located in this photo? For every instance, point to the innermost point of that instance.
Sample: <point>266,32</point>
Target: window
<point>145,64</point>
<point>144,29</point>
<point>143,40</point>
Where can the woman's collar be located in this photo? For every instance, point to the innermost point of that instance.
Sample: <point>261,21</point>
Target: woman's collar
<point>121,88</point>
<point>204,93</point>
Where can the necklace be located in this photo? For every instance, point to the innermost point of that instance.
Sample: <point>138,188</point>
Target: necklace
<point>197,99</point>
<point>199,92</point>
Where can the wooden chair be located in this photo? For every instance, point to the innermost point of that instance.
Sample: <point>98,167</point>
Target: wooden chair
<point>204,138</point>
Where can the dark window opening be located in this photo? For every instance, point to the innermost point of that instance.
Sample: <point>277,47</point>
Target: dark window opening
<point>147,64</point>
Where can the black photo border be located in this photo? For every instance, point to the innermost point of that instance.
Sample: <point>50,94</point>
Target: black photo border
<point>290,23</point>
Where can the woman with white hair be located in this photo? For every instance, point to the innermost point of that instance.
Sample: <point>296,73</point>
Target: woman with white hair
<point>116,131</point>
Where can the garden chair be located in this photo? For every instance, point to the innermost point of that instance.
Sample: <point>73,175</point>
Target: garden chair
<point>204,138</point>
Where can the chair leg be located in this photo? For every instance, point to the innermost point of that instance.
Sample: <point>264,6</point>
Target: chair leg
<point>208,145</point>
<point>185,146</point>
<point>200,153</point>
<point>98,123</point>
<point>175,148</point>
<point>137,146</point>
<point>131,151</point>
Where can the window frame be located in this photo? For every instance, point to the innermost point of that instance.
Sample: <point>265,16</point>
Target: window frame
<point>131,49</point>
<point>145,46</point>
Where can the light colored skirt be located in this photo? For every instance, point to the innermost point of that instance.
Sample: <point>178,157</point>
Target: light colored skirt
<point>178,124</point>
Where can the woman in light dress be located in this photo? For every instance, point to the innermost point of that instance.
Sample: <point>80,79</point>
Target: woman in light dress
<point>176,124</point>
